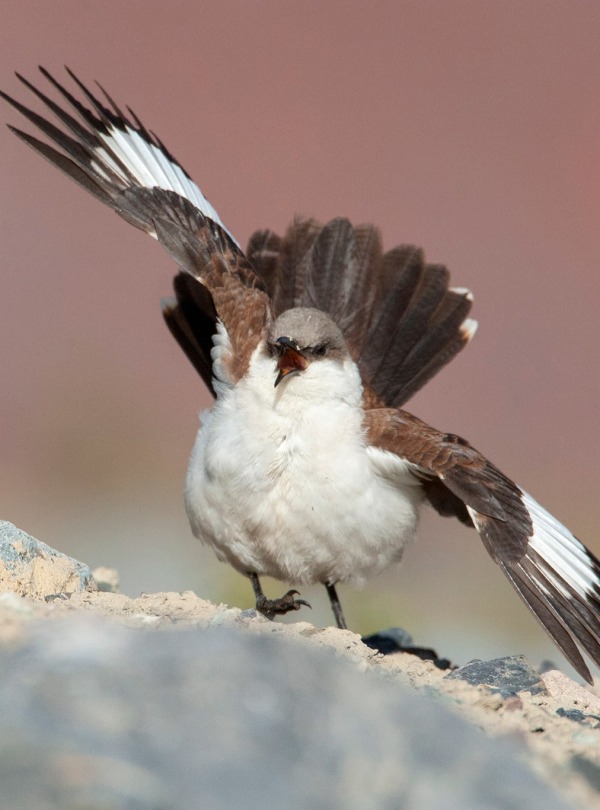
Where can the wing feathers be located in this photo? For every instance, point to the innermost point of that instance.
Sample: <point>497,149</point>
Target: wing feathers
<point>121,163</point>
<point>555,574</point>
<point>95,186</point>
<point>237,293</point>
<point>192,320</point>
<point>109,147</point>
<point>549,619</point>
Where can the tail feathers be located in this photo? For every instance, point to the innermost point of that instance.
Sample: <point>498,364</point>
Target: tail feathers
<point>360,299</point>
<point>290,282</point>
<point>432,329</point>
<point>343,276</point>
<point>400,319</point>
<point>263,254</point>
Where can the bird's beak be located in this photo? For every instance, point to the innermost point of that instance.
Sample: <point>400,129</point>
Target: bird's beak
<point>290,361</point>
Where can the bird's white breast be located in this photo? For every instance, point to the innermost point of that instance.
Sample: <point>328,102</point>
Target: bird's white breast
<point>281,482</point>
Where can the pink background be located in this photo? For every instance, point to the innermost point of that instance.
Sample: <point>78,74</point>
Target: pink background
<point>470,128</point>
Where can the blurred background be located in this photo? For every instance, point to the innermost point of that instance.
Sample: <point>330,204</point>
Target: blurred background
<point>470,128</point>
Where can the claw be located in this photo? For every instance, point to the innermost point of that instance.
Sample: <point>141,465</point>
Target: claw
<point>278,607</point>
<point>298,602</point>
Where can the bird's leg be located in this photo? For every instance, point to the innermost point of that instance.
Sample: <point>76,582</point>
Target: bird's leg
<point>336,606</point>
<point>275,607</point>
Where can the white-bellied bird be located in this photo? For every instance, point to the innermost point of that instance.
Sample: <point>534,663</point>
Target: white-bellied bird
<point>306,468</point>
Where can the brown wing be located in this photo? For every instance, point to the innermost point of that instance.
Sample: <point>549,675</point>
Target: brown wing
<point>207,253</point>
<point>555,575</point>
<point>400,319</point>
<point>115,158</point>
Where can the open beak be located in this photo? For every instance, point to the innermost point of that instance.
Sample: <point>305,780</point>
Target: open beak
<point>290,361</point>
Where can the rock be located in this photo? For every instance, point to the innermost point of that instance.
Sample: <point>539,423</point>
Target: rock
<point>578,716</point>
<point>29,567</point>
<point>508,675</point>
<point>96,715</point>
<point>561,687</point>
<point>107,579</point>
<point>396,639</point>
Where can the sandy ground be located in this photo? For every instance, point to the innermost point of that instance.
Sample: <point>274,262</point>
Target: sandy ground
<point>564,749</point>
<point>557,722</point>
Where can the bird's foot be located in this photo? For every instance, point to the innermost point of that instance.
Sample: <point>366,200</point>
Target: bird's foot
<point>275,607</point>
<point>279,607</point>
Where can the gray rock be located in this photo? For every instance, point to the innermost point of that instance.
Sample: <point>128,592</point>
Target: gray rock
<point>107,579</point>
<point>508,675</point>
<point>396,639</point>
<point>98,716</point>
<point>30,567</point>
<point>579,717</point>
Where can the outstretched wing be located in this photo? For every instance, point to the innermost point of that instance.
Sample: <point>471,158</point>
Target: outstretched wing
<point>115,158</point>
<point>401,320</point>
<point>554,574</point>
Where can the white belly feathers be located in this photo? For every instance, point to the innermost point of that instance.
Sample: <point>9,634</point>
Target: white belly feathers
<point>281,483</point>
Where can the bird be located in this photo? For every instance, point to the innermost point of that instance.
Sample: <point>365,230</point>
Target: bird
<point>307,468</point>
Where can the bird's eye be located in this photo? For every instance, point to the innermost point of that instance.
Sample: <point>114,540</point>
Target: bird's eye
<point>320,350</point>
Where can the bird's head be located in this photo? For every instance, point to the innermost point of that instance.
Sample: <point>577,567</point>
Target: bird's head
<point>306,343</point>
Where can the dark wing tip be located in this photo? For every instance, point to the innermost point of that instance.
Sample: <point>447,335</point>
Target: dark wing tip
<point>557,577</point>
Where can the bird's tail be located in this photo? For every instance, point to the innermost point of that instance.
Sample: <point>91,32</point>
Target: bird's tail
<point>401,320</point>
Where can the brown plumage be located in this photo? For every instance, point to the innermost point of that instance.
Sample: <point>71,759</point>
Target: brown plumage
<point>204,251</point>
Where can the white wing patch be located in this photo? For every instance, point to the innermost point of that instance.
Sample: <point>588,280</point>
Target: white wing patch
<point>150,167</point>
<point>561,552</point>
